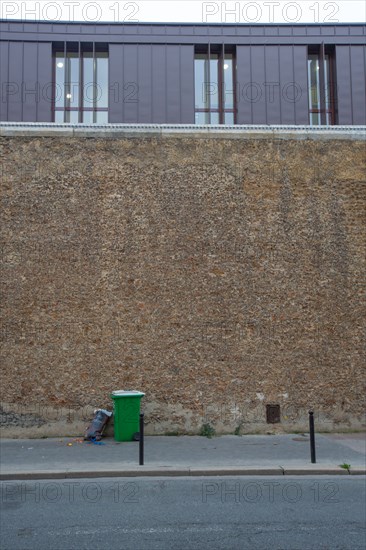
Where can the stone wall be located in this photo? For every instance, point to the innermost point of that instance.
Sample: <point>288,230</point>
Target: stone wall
<point>216,275</point>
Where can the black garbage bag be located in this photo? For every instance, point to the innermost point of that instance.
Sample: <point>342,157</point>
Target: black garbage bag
<point>95,429</point>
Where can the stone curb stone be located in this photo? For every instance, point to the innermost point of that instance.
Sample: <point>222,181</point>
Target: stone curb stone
<point>235,471</point>
<point>315,471</point>
<point>175,472</point>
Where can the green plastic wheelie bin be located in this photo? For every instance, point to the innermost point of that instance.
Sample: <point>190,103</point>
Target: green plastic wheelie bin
<point>126,414</point>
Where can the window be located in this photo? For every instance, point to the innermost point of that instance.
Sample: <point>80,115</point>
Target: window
<point>321,86</point>
<point>81,84</point>
<point>214,68</point>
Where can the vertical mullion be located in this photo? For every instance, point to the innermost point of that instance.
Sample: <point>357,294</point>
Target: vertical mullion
<point>65,77</point>
<point>81,85</point>
<point>37,73</point>
<point>310,100</point>
<point>53,98</point>
<point>220,68</point>
<point>332,97</point>
<point>234,85</point>
<point>322,85</point>
<point>94,84</point>
<point>209,83</point>
<point>80,110</point>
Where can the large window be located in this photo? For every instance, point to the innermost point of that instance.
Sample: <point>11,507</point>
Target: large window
<point>214,85</point>
<point>81,84</point>
<point>321,87</point>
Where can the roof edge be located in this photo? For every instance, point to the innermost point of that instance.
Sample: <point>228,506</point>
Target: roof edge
<point>175,24</point>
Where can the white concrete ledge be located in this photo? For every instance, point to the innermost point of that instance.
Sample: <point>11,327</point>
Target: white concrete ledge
<point>33,129</point>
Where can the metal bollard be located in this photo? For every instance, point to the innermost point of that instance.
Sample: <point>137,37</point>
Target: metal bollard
<point>141,440</point>
<point>312,437</point>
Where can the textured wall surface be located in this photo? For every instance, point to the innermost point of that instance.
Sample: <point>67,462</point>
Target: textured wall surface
<point>216,275</point>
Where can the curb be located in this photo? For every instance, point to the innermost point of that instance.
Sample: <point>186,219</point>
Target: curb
<point>177,472</point>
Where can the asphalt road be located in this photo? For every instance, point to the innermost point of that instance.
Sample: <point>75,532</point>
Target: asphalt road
<point>267,513</point>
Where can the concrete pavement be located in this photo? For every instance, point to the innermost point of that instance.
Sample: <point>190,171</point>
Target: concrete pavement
<point>287,454</point>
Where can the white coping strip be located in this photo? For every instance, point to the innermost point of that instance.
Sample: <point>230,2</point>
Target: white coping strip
<point>8,129</point>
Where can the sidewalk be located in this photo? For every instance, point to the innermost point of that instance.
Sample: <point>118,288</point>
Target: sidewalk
<point>287,454</point>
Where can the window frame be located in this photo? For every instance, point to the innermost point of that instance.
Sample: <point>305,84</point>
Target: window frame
<point>81,49</point>
<point>325,54</point>
<point>221,110</point>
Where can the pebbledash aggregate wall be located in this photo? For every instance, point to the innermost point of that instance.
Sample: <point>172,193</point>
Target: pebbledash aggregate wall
<point>217,271</point>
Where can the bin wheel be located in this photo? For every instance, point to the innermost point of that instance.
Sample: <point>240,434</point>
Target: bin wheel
<point>136,436</point>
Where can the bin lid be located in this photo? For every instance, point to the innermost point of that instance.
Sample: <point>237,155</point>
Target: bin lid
<point>127,393</point>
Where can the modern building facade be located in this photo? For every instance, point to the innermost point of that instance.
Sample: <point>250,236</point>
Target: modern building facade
<point>217,268</point>
<point>183,74</point>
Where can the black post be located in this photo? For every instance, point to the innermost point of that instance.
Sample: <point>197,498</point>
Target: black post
<point>141,440</point>
<point>312,437</point>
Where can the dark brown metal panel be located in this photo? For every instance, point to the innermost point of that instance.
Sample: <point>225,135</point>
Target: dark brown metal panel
<point>93,29</point>
<point>284,32</point>
<point>214,31</point>
<point>144,83</point>
<point>15,106</point>
<point>28,82</point>
<point>197,31</point>
<point>327,31</point>
<point>116,83</point>
<point>301,84</point>
<point>159,84</point>
<point>258,91</point>
<point>153,81</point>
<point>155,84</point>
<point>31,91</point>
<point>171,31</point>
<point>46,28</point>
<point>16,26</point>
<point>102,29</point>
<point>44,77</point>
<point>4,67</point>
<point>74,29</point>
<point>287,85</point>
<point>177,29</point>
<point>257,30</point>
<point>187,84</point>
<point>143,30</point>
<point>133,35</point>
<point>271,31</point>
<point>157,29</point>
<point>313,30</point>
<point>227,30</point>
<point>273,85</point>
<point>299,30</point>
<point>357,66</point>
<point>61,28</point>
<point>31,27</point>
<point>357,30</point>
<point>343,69</point>
<point>243,31</point>
<point>173,80</point>
<point>131,30</point>
<point>188,30</point>
<point>244,85</point>
<point>130,84</point>
<point>272,88</point>
<point>341,30</point>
